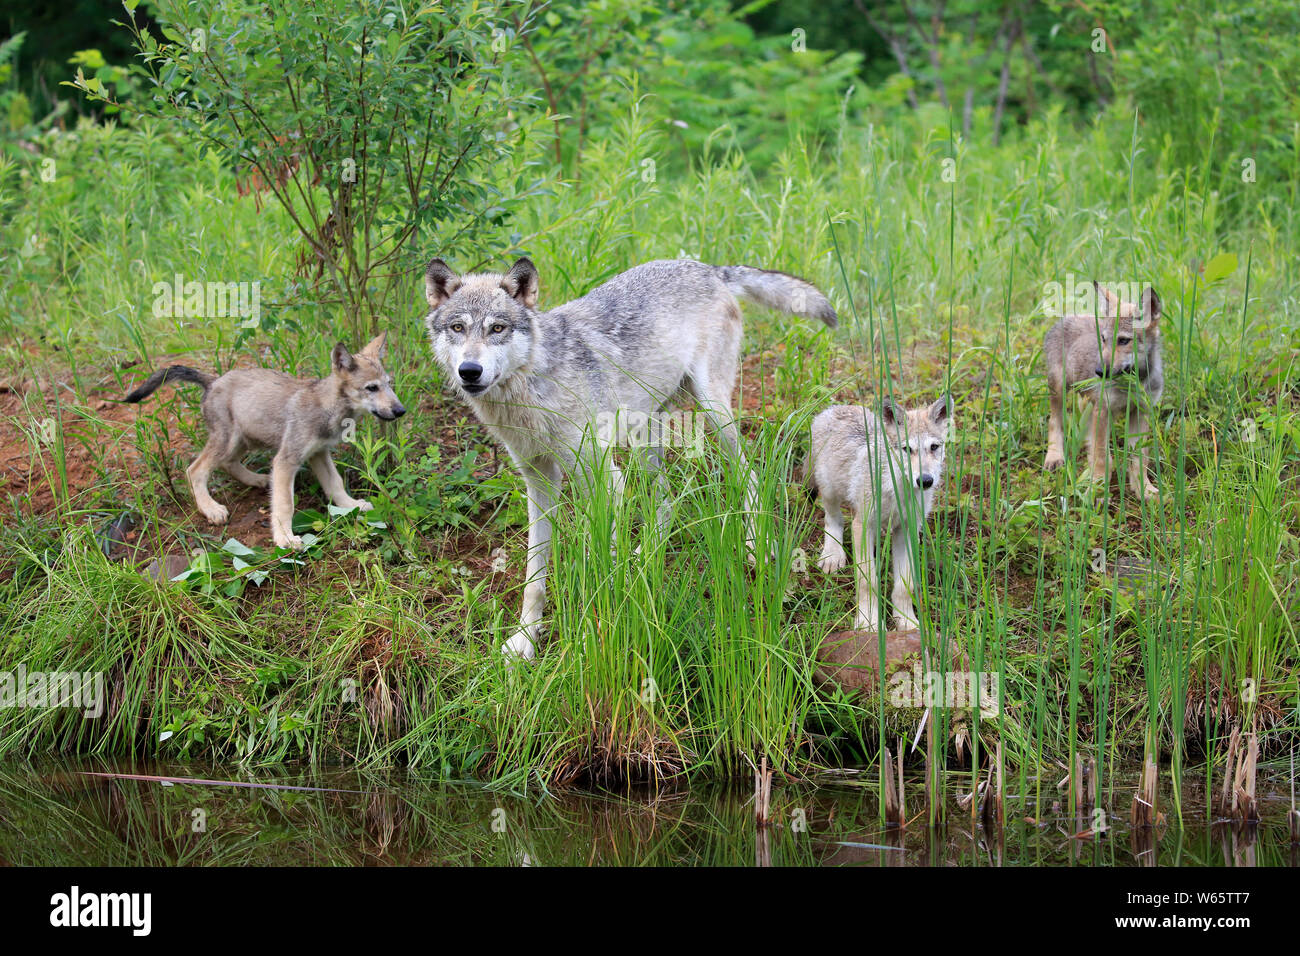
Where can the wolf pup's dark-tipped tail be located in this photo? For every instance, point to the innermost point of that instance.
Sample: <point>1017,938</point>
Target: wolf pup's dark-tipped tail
<point>172,373</point>
<point>779,290</point>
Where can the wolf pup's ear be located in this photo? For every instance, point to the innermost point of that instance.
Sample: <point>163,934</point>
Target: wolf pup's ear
<point>378,346</point>
<point>892,413</point>
<point>940,410</point>
<point>1150,308</point>
<point>439,283</point>
<point>341,359</point>
<point>1107,301</point>
<point>520,283</point>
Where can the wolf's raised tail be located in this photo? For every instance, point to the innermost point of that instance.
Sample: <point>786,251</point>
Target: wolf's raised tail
<point>172,373</point>
<point>778,290</point>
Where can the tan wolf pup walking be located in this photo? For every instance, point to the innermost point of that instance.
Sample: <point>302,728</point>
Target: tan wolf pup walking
<point>1118,347</point>
<point>300,420</point>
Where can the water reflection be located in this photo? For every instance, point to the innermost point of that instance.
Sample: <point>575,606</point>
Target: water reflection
<point>56,815</point>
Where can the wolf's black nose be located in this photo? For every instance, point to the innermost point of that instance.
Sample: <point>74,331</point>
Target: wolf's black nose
<point>470,371</point>
<point>1100,371</point>
<point>398,411</point>
<point>925,481</point>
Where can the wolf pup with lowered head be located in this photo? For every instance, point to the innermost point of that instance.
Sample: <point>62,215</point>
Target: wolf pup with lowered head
<point>873,465</point>
<point>300,421</point>
<point>1119,347</point>
<point>539,381</point>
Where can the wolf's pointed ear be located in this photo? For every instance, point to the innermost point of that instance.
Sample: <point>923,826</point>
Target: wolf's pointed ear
<point>891,413</point>
<point>341,359</point>
<point>1107,302</point>
<point>940,410</point>
<point>378,346</point>
<point>520,282</point>
<point>1150,308</point>
<point>439,283</point>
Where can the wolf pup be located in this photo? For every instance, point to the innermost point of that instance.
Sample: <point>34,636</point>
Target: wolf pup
<point>1120,346</point>
<point>873,465</point>
<point>539,381</point>
<point>299,420</point>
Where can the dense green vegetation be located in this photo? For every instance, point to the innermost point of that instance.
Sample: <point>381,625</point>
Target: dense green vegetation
<point>1116,627</point>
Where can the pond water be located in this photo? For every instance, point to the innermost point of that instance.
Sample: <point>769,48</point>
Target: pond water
<point>59,814</point>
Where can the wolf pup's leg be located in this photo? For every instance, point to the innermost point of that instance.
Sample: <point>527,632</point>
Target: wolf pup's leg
<point>1099,439</point>
<point>540,489</point>
<point>283,470</point>
<point>1138,433</point>
<point>833,557</point>
<point>1055,429</point>
<point>198,472</point>
<point>864,562</point>
<point>904,580</point>
<point>332,483</point>
<point>242,473</point>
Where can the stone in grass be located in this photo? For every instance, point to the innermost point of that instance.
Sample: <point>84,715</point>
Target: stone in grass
<point>851,659</point>
<point>167,567</point>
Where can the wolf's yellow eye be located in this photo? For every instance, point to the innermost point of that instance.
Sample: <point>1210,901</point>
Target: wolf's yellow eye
<point>498,329</point>
<point>457,328</point>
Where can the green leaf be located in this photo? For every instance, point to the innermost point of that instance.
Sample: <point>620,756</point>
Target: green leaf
<point>235,546</point>
<point>1221,266</point>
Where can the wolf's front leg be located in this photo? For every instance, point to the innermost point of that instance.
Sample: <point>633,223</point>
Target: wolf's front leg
<point>540,490</point>
<point>833,557</point>
<point>1055,429</point>
<point>864,562</point>
<point>904,588</point>
<point>283,470</point>
<point>1138,434</point>
<point>332,483</point>
<point>1099,440</point>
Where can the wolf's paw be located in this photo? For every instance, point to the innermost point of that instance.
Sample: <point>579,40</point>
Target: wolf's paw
<point>519,648</point>
<point>217,514</point>
<point>1053,461</point>
<point>867,620</point>
<point>830,563</point>
<point>1150,491</point>
<point>907,622</point>
<point>364,505</point>
<point>290,542</point>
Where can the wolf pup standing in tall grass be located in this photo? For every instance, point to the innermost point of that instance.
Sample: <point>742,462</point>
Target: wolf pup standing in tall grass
<point>1120,347</point>
<point>540,380</point>
<point>299,420</point>
<point>873,465</point>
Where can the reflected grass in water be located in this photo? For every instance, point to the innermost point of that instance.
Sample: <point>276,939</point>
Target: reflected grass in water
<point>57,815</point>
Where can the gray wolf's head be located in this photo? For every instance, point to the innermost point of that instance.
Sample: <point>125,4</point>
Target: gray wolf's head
<point>918,437</point>
<point>363,380</point>
<point>1129,334</point>
<point>481,325</point>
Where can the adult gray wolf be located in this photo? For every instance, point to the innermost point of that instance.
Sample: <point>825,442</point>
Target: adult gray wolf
<point>539,381</point>
<point>299,420</point>
<point>872,465</point>
<point>1119,348</point>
